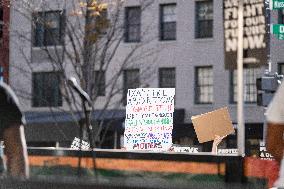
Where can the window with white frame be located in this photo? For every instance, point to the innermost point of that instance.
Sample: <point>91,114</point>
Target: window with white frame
<point>168,22</point>
<point>132,24</point>
<point>204,19</point>
<point>250,92</point>
<point>131,80</point>
<point>48,28</point>
<point>204,85</point>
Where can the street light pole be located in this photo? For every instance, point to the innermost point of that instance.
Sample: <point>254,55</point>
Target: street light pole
<point>240,84</point>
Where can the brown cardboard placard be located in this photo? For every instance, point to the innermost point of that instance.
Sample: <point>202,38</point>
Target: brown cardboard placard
<point>217,122</point>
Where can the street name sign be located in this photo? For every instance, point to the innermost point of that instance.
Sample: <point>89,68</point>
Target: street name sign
<point>278,31</point>
<point>276,4</point>
<point>278,28</point>
<point>280,36</point>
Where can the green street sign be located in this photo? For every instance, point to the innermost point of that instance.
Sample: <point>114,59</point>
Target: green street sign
<point>276,4</point>
<point>280,36</point>
<point>278,28</point>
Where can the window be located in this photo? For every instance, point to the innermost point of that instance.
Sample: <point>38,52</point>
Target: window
<point>100,83</point>
<point>204,19</point>
<point>168,22</point>
<point>281,68</point>
<point>250,92</point>
<point>1,74</point>
<point>132,24</point>
<point>131,80</point>
<point>1,24</point>
<point>204,85</point>
<point>48,28</point>
<point>167,78</point>
<point>281,16</point>
<point>46,90</point>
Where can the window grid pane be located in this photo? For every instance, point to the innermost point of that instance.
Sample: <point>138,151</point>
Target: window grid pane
<point>133,24</point>
<point>167,78</point>
<point>46,90</point>
<point>131,81</point>
<point>204,19</point>
<point>250,92</point>
<point>100,83</point>
<point>204,85</point>
<point>168,22</point>
<point>48,28</point>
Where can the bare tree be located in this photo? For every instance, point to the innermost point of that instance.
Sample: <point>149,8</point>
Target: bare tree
<point>88,45</point>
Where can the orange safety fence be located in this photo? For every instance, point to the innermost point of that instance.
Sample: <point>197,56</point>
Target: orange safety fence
<point>131,165</point>
<point>253,167</point>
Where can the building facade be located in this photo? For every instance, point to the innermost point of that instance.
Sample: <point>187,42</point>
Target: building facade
<point>189,37</point>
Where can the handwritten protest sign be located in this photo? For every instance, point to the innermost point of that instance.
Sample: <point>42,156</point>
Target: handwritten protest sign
<point>149,119</point>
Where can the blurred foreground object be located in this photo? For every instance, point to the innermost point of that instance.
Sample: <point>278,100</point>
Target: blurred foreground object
<point>275,130</point>
<point>266,87</point>
<point>12,132</point>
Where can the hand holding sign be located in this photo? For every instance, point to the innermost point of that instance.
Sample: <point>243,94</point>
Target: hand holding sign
<point>216,142</point>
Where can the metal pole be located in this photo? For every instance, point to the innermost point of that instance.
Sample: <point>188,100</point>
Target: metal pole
<point>268,7</point>
<point>115,140</point>
<point>240,108</point>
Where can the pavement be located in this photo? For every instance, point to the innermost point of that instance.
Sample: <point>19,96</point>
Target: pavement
<point>47,182</point>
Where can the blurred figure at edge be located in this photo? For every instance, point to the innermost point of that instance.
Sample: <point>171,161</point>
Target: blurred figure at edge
<point>275,130</point>
<point>12,132</point>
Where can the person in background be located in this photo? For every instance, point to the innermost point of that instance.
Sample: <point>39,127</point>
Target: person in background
<point>12,133</point>
<point>275,131</point>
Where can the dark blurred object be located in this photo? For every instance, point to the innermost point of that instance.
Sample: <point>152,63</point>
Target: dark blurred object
<point>3,167</point>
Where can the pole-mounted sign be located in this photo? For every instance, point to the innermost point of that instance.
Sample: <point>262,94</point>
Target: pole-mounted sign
<point>277,29</point>
<point>276,4</point>
<point>255,37</point>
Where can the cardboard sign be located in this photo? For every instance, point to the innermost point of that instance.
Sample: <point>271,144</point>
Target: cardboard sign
<point>213,123</point>
<point>149,119</point>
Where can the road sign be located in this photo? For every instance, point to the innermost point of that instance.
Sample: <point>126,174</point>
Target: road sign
<point>278,28</point>
<point>280,36</point>
<point>276,4</point>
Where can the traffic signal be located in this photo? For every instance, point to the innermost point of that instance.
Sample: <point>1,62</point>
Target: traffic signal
<point>266,87</point>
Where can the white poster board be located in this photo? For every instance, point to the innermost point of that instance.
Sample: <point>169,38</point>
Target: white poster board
<point>149,119</point>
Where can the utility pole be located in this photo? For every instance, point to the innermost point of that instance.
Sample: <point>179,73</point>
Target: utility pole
<point>240,84</point>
